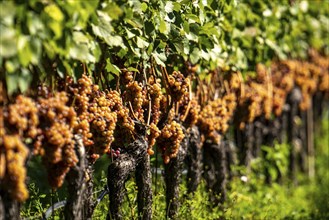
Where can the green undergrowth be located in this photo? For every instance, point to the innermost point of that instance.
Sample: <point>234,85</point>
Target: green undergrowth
<point>248,197</point>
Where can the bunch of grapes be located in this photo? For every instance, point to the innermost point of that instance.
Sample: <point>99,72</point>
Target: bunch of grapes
<point>125,127</point>
<point>81,97</point>
<point>153,134</point>
<point>264,87</point>
<point>145,104</point>
<point>209,122</point>
<point>22,117</point>
<point>13,155</point>
<point>135,94</point>
<point>307,84</point>
<point>234,81</point>
<point>189,111</point>
<point>154,90</point>
<point>126,77</point>
<point>308,76</point>
<point>19,121</point>
<point>257,98</point>
<point>97,116</point>
<point>230,103</point>
<point>178,85</point>
<point>215,117</point>
<point>319,71</point>
<point>155,97</point>
<point>283,82</point>
<point>311,77</point>
<point>114,153</point>
<point>169,140</point>
<point>102,121</point>
<point>56,143</point>
<point>320,61</point>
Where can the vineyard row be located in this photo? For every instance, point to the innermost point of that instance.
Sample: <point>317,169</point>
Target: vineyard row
<point>71,124</point>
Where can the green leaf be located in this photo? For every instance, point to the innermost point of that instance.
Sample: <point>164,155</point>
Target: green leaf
<point>113,10</point>
<point>149,28</point>
<point>193,18</point>
<point>132,69</point>
<point>79,37</point>
<point>186,27</point>
<point>81,52</point>
<point>141,43</point>
<point>114,40</point>
<point>129,34</point>
<point>177,6</point>
<point>122,52</point>
<point>163,27</point>
<point>104,30</point>
<point>194,56</point>
<point>54,12</point>
<point>159,58</point>
<point>34,24</point>
<point>7,12</point>
<point>24,50</point>
<point>144,6</point>
<point>179,47</point>
<point>11,65</point>
<point>24,80</point>
<point>112,68</point>
<point>56,17</point>
<point>12,85</point>
<point>8,41</point>
<point>169,7</point>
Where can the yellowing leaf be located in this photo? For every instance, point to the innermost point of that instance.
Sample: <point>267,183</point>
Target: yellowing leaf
<point>162,27</point>
<point>54,12</point>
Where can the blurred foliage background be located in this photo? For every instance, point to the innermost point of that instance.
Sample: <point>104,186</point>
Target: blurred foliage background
<point>40,40</point>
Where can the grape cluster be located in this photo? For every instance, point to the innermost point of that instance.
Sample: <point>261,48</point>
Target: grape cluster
<point>234,81</point>
<point>283,82</point>
<point>135,93</point>
<point>151,137</point>
<point>189,111</point>
<point>155,94</point>
<point>323,63</point>
<point>18,122</point>
<point>306,82</point>
<point>308,76</point>
<point>257,98</point>
<point>103,122</point>
<point>154,90</point>
<point>13,154</point>
<point>56,142</point>
<point>145,101</point>
<point>215,117</point>
<point>178,85</point>
<point>97,116</point>
<point>125,128</point>
<point>82,92</point>
<point>22,116</point>
<point>169,140</point>
<point>126,77</point>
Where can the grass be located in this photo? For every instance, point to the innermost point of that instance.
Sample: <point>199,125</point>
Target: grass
<point>251,199</point>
